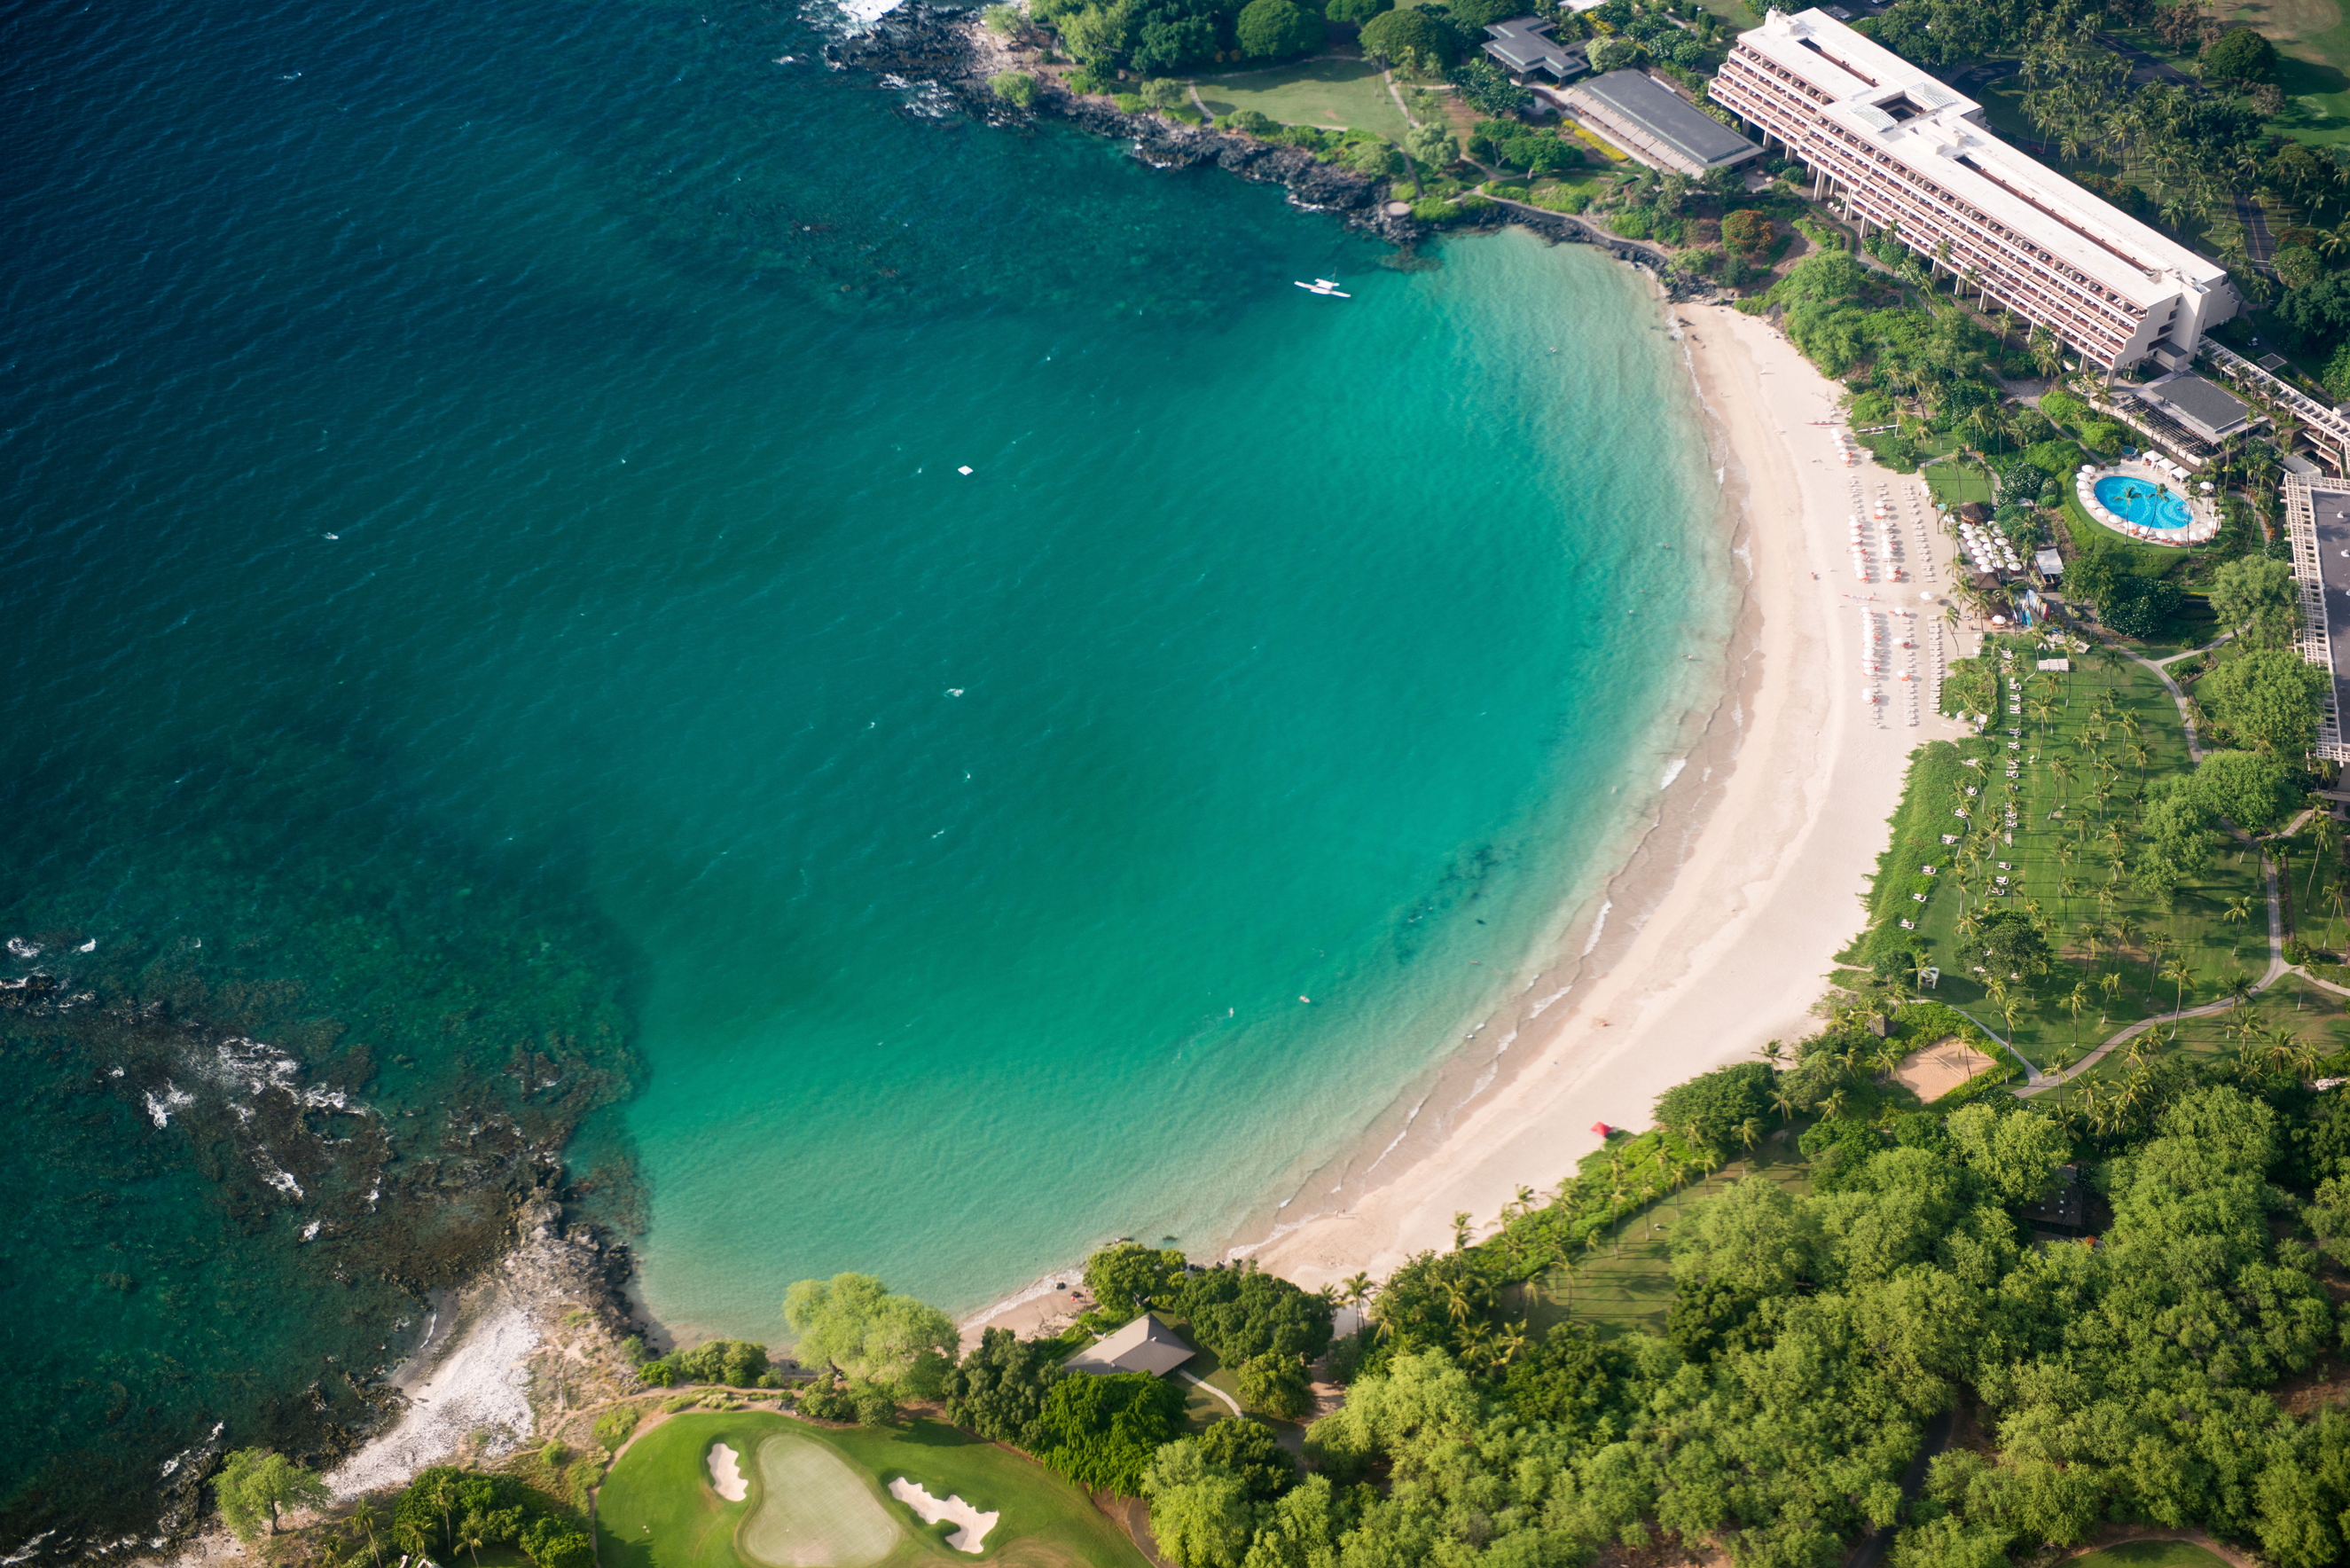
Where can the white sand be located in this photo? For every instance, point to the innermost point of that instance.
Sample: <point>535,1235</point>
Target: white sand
<point>474,1382</point>
<point>726,1476</point>
<point>974,1525</point>
<point>1764,889</point>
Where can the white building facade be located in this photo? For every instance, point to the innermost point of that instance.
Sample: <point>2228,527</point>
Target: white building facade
<point>1900,148</point>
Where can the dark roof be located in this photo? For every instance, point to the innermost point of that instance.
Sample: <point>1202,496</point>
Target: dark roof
<point>1669,117</point>
<point>1146,1344</point>
<point>2202,407</point>
<point>1520,44</point>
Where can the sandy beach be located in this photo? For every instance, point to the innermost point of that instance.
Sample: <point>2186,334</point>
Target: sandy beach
<point>1724,925</point>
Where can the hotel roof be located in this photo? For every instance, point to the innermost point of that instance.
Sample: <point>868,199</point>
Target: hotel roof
<point>1899,110</point>
<point>1520,44</point>
<point>2203,407</point>
<point>1672,118</point>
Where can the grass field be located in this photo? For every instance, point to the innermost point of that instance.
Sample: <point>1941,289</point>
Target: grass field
<point>818,1499</point>
<point>1331,94</point>
<point>2312,37</point>
<point>2057,861</point>
<point>2291,1010</point>
<point>1626,1286</point>
<point>2148,1554</point>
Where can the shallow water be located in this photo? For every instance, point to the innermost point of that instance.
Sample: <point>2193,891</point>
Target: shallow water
<point>486,558</point>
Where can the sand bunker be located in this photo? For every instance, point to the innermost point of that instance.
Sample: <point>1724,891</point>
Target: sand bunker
<point>1935,1070</point>
<point>814,1510</point>
<point>974,1525</point>
<point>726,1476</point>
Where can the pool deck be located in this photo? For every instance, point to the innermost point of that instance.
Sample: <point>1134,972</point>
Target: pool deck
<point>2204,516</point>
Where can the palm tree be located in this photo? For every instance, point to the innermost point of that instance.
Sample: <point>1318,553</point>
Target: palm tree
<point>2238,911</point>
<point>1784,1103</point>
<point>1356,1289</point>
<point>1750,1132</point>
<point>2178,974</point>
<point>2076,1002</point>
<point>2238,991</point>
<point>2110,983</point>
<point>473,1532</point>
<point>1461,1231</point>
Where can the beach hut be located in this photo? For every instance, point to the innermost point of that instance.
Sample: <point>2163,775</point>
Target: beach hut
<point>1146,1344</point>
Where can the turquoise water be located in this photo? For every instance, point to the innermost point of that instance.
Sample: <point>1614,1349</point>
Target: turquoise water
<point>493,616</point>
<point>2141,502</point>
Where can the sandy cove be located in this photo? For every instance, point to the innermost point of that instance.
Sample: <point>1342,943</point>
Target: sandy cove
<point>1725,924</point>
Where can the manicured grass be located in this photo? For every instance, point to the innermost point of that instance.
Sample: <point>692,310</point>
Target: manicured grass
<point>656,1509</point>
<point>1626,1284</point>
<point>1331,94</point>
<point>2313,40</point>
<point>2143,560</point>
<point>2191,929</point>
<point>2303,1013</point>
<point>2148,1554</point>
<point>1956,483</point>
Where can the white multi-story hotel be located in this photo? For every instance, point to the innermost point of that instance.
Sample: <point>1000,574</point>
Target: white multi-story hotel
<point>1900,148</point>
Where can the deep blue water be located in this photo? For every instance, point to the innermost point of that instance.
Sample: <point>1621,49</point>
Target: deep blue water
<point>494,622</point>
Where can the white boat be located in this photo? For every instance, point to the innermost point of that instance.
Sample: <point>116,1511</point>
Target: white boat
<point>1325,287</point>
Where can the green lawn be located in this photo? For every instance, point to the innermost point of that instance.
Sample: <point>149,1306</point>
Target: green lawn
<point>2303,1014</point>
<point>2312,37</point>
<point>1626,1284</point>
<point>2148,1554</point>
<point>2059,866</point>
<point>656,1509</point>
<point>1331,94</point>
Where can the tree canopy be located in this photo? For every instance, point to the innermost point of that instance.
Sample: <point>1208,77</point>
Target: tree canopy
<point>1411,34</point>
<point>2270,698</point>
<point>2239,55</point>
<point>256,1486</point>
<point>852,1321</point>
<point>1273,29</point>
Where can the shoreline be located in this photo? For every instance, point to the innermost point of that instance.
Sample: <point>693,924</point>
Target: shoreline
<point>1719,929</point>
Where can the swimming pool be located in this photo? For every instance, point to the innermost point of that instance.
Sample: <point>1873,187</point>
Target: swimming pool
<point>2138,501</point>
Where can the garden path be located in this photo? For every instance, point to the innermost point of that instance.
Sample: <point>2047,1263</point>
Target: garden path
<point>2278,969</point>
<point>1233,1404</point>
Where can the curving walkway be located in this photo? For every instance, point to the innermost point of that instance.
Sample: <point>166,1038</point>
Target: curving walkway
<point>2278,969</point>
<point>2038,1081</point>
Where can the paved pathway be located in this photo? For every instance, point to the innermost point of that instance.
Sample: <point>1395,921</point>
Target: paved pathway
<point>1202,1382</point>
<point>2038,1081</point>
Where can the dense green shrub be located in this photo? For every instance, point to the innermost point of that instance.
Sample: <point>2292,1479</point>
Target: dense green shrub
<point>736,1363</point>
<point>998,1390</point>
<point>1099,1432</point>
<point>1713,1110</point>
<point>1015,87</point>
<point>1240,1310</point>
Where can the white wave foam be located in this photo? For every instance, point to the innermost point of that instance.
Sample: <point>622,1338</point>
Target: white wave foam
<point>1599,926</point>
<point>161,1106</point>
<point>1672,771</point>
<point>1542,1006</point>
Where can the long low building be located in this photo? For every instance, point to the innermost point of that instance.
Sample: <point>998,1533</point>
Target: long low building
<point>2317,527</point>
<point>1905,151</point>
<point>1656,124</point>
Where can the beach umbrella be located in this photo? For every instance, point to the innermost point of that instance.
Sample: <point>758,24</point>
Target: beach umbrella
<point>1999,620</point>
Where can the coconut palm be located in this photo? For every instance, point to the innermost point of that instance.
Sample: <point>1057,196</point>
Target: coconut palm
<point>2178,974</point>
<point>2077,1002</point>
<point>2238,911</point>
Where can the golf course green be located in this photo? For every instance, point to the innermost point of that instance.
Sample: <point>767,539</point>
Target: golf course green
<point>818,1498</point>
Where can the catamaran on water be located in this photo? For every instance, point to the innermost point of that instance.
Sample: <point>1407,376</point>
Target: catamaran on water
<point>1326,288</point>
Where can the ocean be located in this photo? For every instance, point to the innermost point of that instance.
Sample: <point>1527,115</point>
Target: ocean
<point>575,579</point>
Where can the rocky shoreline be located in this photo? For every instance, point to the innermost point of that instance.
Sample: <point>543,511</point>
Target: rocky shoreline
<point>948,48</point>
<point>383,1207</point>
